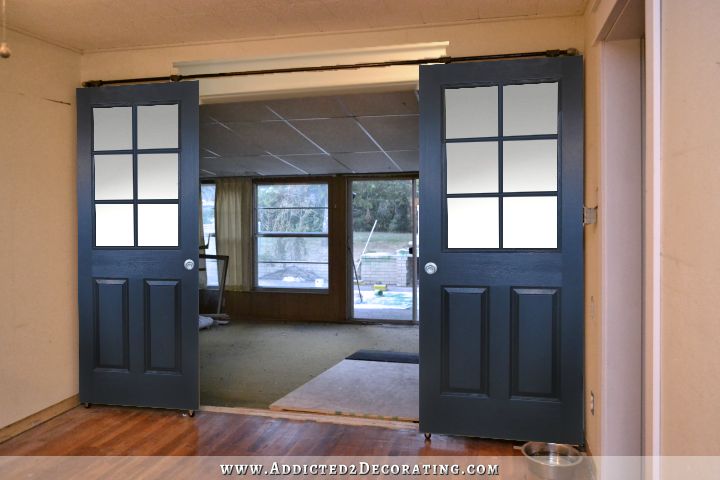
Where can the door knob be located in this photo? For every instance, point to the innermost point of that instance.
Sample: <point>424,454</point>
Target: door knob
<point>430,268</point>
<point>189,264</point>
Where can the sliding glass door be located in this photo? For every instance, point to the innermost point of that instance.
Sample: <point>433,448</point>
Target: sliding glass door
<point>384,249</point>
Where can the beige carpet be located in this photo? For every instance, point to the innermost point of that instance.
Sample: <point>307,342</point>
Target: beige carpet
<point>360,389</point>
<point>254,364</point>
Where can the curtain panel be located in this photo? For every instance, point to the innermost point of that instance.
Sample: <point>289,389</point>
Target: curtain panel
<point>233,226</point>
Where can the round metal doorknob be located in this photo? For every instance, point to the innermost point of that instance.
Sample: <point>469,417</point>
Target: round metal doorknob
<point>189,264</point>
<point>430,268</point>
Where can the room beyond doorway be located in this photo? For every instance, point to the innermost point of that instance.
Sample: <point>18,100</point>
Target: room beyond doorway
<point>277,179</point>
<point>384,213</point>
<point>253,364</point>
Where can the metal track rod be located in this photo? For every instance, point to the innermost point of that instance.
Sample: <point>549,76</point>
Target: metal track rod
<point>323,68</point>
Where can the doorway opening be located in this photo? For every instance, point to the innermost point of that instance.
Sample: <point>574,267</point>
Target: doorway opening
<point>283,183</point>
<point>384,249</point>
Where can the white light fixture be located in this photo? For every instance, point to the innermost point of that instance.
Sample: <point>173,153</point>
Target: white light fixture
<point>4,48</point>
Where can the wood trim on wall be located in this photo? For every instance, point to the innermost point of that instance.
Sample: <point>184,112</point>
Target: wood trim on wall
<point>14,429</point>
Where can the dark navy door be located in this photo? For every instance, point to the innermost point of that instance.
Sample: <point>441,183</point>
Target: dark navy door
<point>138,244</point>
<point>501,188</point>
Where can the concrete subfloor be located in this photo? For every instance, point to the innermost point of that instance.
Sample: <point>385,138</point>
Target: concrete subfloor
<point>253,364</point>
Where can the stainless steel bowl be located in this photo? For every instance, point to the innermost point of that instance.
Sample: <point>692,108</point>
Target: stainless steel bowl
<point>552,461</point>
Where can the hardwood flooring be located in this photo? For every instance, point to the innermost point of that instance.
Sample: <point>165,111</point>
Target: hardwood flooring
<point>102,430</point>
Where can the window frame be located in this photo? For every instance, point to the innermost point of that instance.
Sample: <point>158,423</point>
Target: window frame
<point>501,139</point>
<point>135,201</point>
<point>256,235</point>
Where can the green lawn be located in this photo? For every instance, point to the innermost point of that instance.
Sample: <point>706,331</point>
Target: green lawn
<point>380,242</point>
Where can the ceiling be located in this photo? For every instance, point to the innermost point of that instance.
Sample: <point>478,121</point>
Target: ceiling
<point>90,25</point>
<point>359,133</point>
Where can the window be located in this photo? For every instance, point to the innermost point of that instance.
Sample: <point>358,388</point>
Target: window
<point>207,195</point>
<point>291,235</point>
<point>136,186</point>
<point>501,154</point>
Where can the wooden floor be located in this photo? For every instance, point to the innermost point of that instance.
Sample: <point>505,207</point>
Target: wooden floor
<point>133,431</point>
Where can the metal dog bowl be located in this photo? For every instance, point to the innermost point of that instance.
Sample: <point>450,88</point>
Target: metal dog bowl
<point>552,461</point>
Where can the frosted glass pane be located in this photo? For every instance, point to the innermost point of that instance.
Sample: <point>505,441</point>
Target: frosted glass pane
<point>530,222</point>
<point>113,177</point>
<point>114,225</point>
<point>157,126</point>
<point>472,167</point>
<point>530,166</point>
<point>530,109</point>
<point>471,112</point>
<point>473,223</point>
<point>158,225</point>
<point>158,176</point>
<point>112,128</point>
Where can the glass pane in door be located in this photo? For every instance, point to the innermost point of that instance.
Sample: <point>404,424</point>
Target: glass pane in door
<point>113,177</point>
<point>472,223</point>
<point>157,126</point>
<point>158,225</point>
<point>158,176</point>
<point>114,225</point>
<point>472,167</point>
<point>112,128</point>
<point>471,112</point>
<point>530,166</point>
<point>530,109</point>
<point>530,222</point>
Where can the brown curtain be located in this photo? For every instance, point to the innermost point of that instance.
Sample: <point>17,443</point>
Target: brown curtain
<point>233,226</point>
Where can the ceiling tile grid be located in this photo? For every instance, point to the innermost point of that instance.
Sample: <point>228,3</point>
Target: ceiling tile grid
<point>361,133</point>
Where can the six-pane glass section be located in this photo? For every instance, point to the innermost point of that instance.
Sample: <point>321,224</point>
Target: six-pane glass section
<point>501,154</point>
<point>291,235</point>
<point>136,175</point>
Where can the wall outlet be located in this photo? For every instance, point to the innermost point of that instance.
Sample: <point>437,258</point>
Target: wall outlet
<point>592,403</point>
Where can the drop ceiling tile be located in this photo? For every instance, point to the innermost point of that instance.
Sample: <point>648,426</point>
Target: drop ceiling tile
<point>237,112</point>
<point>387,103</point>
<point>205,152</point>
<point>224,167</point>
<point>317,164</point>
<point>407,160</point>
<point>337,135</point>
<point>205,116</point>
<point>254,165</point>
<point>368,162</point>
<point>307,107</point>
<point>218,139</point>
<point>274,137</point>
<point>393,133</point>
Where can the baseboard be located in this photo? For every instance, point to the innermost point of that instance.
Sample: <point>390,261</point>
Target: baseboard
<point>14,429</point>
<point>314,417</point>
